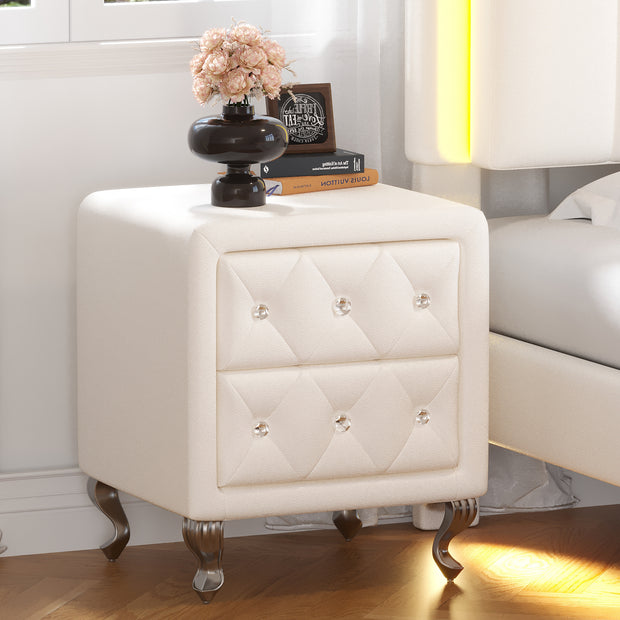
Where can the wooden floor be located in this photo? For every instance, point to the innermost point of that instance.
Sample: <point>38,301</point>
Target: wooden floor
<point>563,564</point>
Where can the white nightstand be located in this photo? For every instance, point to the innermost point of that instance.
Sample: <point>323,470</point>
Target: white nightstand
<point>327,351</point>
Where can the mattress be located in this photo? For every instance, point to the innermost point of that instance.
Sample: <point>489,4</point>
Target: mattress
<point>556,283</point>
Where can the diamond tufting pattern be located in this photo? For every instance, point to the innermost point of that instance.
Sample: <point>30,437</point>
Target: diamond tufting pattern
<point>301,404</point>
<point>299,287</point>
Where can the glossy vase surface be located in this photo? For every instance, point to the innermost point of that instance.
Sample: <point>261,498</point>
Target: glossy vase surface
<point>238,139</point>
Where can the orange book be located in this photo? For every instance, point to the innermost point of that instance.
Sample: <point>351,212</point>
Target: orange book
<point>299,185</point>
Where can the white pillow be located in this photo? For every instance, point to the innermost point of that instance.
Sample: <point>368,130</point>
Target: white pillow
<point>598,201</point>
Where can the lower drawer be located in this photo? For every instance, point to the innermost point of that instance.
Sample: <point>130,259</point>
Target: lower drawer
<point>334,421</point>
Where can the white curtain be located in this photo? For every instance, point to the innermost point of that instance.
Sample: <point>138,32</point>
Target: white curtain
<point>358,47</point>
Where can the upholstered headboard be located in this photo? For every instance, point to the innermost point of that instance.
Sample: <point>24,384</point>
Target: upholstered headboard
<point>512,83</point>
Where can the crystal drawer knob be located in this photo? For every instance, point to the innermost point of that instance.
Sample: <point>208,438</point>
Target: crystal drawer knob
<point>261,429</point>
<point>423,417</point>
<point>342,306</point>
<point>342,423</point>
<point>423,300</point>
<point>260,312</point>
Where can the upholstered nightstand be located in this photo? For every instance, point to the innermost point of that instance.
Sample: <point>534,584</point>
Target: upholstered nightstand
<point>327,351</point>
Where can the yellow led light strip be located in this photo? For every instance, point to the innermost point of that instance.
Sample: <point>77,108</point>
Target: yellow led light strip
<point>453,79</point>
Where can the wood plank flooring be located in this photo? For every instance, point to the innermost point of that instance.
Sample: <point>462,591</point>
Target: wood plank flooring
<point>552,565</point>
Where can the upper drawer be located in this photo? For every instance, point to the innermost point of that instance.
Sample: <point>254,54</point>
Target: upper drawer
<point>335,304</point>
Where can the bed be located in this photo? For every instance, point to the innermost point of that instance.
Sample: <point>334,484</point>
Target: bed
<point>524,87</point>
<point>555,323</point>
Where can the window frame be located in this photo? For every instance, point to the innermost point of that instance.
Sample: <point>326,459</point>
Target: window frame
<point>94,20</point>
<point>65,21</point>
<point>45,21</point>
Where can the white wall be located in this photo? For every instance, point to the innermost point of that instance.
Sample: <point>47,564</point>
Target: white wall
<point>70,125</point>
<point>73,119</point>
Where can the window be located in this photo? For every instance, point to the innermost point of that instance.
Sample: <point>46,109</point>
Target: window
<point>57,21</point>
<point>37,21</point>
<point>95,20</point>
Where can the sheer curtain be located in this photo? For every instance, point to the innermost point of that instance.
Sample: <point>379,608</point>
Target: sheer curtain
<point>379,88</point>
<point>357,46</point>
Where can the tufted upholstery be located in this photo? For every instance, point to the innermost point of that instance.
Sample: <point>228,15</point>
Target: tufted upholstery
<point>536,82</point>
<point>299,287</point>
<point>380,399</point>
<point>176,371</point>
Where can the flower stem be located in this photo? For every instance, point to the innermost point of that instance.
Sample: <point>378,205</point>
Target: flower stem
<point>245,101</point>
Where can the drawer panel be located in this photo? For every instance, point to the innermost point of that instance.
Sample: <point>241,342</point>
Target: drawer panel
<point>334,421</point>
<point>280,307</point>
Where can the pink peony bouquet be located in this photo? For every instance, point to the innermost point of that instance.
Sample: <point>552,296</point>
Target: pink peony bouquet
<point>237,63</point>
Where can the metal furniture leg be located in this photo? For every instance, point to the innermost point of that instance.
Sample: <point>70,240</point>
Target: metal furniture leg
<point>347,522</point>
<point>205,539</point>
<point>458,516</point>
<point>106,499</point>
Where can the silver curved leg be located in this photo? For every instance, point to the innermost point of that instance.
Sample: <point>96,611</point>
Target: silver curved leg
<point>205,539</point>
<point>106,499</point>
<point>347,522</point>
<point>458,516</point>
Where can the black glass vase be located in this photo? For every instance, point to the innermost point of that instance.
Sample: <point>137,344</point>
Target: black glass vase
<point>238,139</point>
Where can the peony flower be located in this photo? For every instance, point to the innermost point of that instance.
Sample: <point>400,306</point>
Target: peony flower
<point>246,34</point>
<point>271,78</point>
<point>197,62</point>
<point>236,64</point>
<point>202,89</point>
<point>275,53</point>
<point>236,85</point>
<point>252,57</point>
<point>216,63</point>
<point>211,39</point>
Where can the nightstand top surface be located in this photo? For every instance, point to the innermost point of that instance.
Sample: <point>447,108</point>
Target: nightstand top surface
<point>358,215</point>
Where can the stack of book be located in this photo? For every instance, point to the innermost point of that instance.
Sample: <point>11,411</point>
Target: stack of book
<point>314,172</point>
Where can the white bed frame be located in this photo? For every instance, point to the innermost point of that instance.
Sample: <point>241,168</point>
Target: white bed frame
<point>555,407</point>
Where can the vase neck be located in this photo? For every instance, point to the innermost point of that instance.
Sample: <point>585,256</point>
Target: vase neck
<point>237,112</point>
